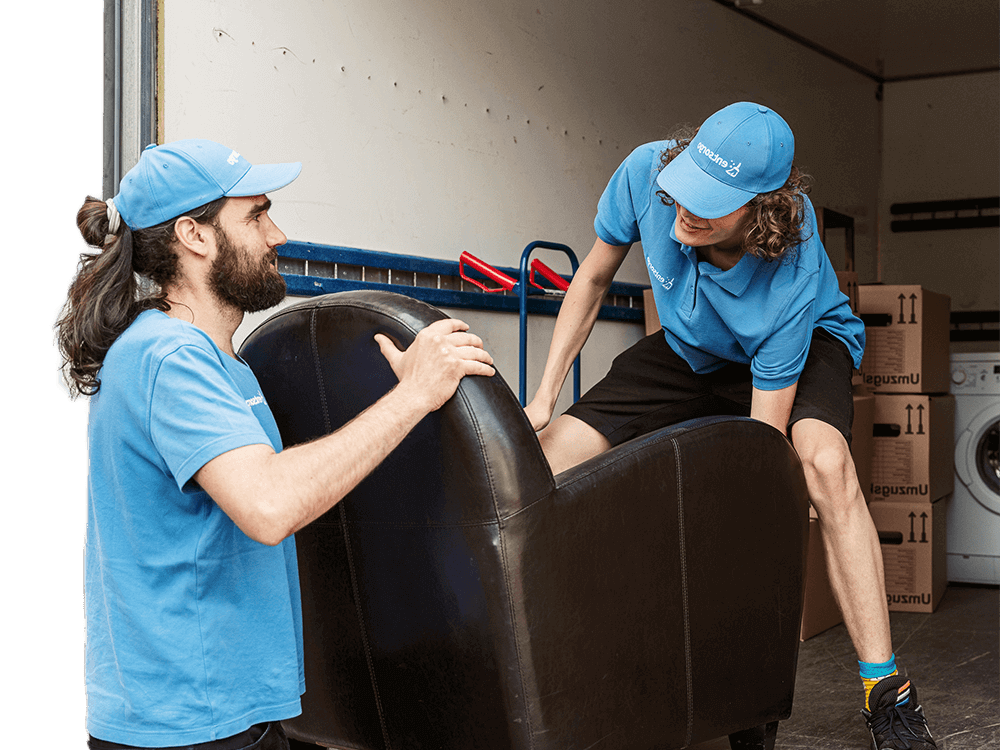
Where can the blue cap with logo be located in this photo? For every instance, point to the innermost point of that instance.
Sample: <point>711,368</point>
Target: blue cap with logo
<point>183,175</point>
<point>740,151</point>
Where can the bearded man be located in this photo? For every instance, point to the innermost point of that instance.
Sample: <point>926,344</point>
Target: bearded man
<point>194,633</point>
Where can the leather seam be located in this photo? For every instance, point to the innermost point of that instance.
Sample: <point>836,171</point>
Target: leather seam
<point>391,525</point>
<point>347,540</point>
<point>682,549</point>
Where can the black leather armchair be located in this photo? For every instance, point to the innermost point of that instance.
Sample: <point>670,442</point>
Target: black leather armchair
<point>461,597</point>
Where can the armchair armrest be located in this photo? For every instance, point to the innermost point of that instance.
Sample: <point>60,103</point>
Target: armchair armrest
<point>661,588</point>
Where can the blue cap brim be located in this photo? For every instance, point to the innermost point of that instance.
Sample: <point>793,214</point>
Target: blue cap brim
<point>263,178</point>
<point>700,193</point>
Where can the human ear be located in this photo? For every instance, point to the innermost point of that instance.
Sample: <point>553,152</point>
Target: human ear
<point>192,235</point>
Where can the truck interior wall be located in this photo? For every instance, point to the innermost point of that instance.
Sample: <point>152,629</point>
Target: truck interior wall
<point>940,143</point>
<point>433,127</point>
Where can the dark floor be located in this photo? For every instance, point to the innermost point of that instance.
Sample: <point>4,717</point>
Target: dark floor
<point>952,656</point>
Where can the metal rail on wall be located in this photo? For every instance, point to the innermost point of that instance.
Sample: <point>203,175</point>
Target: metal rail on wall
<point>312,269</point>
<point>964,213</point>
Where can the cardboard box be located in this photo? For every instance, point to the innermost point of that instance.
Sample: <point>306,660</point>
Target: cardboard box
<point>649,309</point>
<point>848,282</point>
<point>914,546</point>
<point>914,436</point>
<point>908,330</point>
<point>819,609</point>
<point>862,441</point>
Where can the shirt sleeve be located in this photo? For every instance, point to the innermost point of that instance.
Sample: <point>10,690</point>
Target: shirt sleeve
<point>780,358</point>
<point>198,413</point>
<point>617,220</point>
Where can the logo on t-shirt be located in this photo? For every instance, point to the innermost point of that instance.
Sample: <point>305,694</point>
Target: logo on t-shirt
<point>256,400</point>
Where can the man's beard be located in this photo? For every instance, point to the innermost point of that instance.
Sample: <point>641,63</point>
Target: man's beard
<point>239,282</point>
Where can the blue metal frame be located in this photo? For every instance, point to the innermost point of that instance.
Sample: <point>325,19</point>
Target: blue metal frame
<point>523,299</point>
<point>309,286</point>
<point>523,290</point>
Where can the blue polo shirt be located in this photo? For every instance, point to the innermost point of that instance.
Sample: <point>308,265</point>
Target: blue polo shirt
<point>758,312</point>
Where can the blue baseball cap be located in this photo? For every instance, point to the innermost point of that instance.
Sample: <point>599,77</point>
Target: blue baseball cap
<point>741,151</point>
<point>179,176</point>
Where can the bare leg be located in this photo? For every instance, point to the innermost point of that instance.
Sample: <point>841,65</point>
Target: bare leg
<point>569,441</point>
<point>853,552</point>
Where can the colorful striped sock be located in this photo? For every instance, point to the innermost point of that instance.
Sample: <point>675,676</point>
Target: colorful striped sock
<point>871,673</point>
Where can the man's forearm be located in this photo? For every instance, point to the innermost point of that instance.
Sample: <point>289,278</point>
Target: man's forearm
<point>774,407</point>
<point>272,495</point>
<point>574,324</point>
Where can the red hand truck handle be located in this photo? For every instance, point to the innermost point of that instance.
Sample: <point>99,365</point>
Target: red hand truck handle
<point>505,281</point>
<point>551,276</point>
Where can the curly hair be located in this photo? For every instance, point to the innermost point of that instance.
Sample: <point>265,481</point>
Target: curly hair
<point>128,274</point>
<point>774,222</point>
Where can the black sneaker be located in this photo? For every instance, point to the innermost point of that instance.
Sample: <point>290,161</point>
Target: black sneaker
<point>896,720</point>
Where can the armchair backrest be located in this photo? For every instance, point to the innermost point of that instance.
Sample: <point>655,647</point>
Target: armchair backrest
<point>319,367</point>
<point>402,581</point>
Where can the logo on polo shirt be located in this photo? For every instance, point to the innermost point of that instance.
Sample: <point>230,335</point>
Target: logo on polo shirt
<point>256,400</point>
<point>665,283</point>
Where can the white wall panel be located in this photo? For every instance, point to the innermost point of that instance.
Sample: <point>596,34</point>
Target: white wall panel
<point>941,143</point>
<point>437,126</point>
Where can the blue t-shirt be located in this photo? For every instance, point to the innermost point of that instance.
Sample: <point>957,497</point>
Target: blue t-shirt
<point>757,313</point>
<point>194,630</point>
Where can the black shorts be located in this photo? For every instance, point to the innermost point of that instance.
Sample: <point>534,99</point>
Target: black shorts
<point>649,386</point>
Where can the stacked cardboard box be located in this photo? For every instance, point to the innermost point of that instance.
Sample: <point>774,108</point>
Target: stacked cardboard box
<point>848,283</point>
<point>906,365</point>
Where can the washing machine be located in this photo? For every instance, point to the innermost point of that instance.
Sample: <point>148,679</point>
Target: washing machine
<point>974,512</point>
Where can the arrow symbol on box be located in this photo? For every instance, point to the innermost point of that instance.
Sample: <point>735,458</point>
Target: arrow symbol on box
<point>913,536</point>
<point>913,308</point>
<point>909,419</point>
<point>923,531</point>
<point>920,419</point>
<point>902,301</point>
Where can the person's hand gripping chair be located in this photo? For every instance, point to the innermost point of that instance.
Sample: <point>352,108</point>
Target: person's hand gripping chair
<point>461,597</point>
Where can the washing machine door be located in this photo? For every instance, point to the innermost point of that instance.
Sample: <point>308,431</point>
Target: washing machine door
<point>977,458</point>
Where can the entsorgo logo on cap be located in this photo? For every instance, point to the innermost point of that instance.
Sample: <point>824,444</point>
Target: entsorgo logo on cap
<point>712,156</point>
